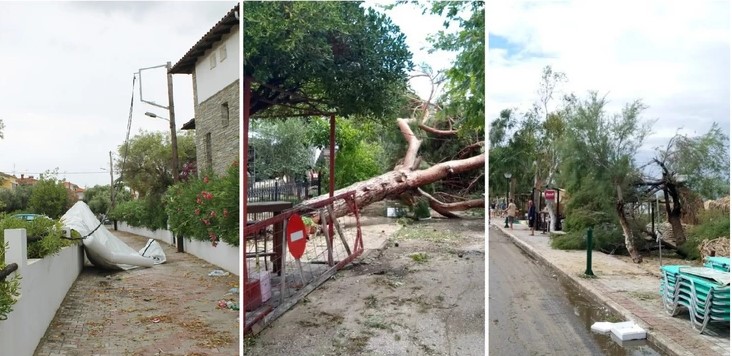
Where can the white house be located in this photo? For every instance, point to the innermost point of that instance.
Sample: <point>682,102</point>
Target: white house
<point>214,64</point>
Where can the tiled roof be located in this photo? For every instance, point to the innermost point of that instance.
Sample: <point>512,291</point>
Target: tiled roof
<point>186,64</point>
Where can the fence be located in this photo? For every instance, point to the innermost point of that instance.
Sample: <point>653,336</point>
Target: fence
<point>43,286</point>
<point>277,280</point>
<point>273,190</point>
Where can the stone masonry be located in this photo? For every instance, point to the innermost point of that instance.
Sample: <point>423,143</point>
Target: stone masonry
<point>224,134</point>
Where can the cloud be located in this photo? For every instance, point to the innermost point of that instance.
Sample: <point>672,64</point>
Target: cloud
<point>67,79</point>
<point>674,56</point>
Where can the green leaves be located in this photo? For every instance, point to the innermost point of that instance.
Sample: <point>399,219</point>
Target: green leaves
<point>324,56</point>
<point>704,160</point>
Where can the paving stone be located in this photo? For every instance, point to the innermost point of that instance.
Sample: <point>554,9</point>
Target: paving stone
<point>617,282</point>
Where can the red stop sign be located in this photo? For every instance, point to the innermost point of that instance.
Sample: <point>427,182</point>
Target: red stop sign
<point>295,236</point>
<point>549,194</point>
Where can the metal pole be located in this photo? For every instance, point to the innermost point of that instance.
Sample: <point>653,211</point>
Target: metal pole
<point>243,172</point>
<point>331,184</point>
<point>588,271</point>
<point>111,188</point>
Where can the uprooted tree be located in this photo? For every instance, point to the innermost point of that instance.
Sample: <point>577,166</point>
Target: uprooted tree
<point>339,57</point>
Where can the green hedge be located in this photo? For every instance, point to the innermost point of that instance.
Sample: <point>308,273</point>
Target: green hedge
<point>206,208</point>
<point>50,244</point>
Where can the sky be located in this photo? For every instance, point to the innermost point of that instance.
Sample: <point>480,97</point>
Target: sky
<point>673,55</point>
<point>417,28</point>
<point>67,79</point>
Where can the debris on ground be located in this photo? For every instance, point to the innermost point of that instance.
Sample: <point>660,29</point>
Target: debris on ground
<point>218,273</point>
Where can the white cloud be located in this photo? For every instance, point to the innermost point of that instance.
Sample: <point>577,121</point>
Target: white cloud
<point>67,78</point>
<point>673,55</point>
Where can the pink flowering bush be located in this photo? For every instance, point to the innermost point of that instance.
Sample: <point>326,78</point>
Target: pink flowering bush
<point>206,207</point>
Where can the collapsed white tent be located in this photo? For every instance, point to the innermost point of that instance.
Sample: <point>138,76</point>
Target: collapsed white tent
<point>103,249</point>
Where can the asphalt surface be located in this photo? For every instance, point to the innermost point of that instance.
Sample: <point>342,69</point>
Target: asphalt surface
<point>529,310</point>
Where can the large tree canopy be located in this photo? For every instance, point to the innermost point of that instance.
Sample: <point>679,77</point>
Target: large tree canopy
<point>145,161</point>
<point>322,57</point>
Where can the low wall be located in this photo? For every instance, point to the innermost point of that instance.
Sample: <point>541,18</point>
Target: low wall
<point>43,286</point>
<point>223,255</point>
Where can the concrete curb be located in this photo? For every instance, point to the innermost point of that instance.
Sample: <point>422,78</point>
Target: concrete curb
<point>659,341</point>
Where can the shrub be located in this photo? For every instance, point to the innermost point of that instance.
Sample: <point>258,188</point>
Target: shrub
<point>148,212</point>
<point>713,224</point>
<point>50,244</point>
<point>49,231</point>
<point>206,208</point>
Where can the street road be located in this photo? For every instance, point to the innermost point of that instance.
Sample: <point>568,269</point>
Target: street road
<point>529,312</point>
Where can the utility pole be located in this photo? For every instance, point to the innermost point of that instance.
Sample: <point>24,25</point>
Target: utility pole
<point>111,188</point>
<point>171,113</point>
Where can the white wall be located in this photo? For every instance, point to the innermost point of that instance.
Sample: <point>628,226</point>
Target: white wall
<point>44,285</point>
<point>223,255</point>
<point>210,81</point>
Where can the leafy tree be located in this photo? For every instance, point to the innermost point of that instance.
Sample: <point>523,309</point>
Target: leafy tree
<point>2,127</point>
<point>145,161</point>
<point>465,96</point>
<point>16,199</point>
<point>703,160</point>
<point>324,56</point>
<point>357,157</point>
<point>49,197</point>
<point>281,148</point>
<point>99,200</point>
<point>598,167</point>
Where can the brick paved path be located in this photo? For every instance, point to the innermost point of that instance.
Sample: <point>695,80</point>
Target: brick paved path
<point>630,290</point>
<point>170,309</point>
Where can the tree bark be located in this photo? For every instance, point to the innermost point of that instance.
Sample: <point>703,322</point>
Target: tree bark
<point>394,183</point>
<point>627,232</point>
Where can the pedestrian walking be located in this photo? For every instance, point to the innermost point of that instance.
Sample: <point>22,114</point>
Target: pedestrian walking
<point>511,212</point>
<point>532,216</point>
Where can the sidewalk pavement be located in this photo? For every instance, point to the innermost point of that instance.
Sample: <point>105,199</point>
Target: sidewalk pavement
<point>626,288</point>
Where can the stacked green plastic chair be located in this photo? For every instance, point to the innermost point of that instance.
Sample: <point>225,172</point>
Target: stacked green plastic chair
<point>706,299</point>
<point>718,263</point>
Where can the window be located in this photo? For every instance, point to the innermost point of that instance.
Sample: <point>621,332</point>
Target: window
<point>212,60</point>
<point>222,52</point>
<point>225,114</point>
<point>209,154</point>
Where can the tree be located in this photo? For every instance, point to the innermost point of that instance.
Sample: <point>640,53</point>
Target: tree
<point>598,152</point>
<point>323,57</point>
<point>16,199</point>
<point>144,162</point>
<point>49,197</point>
<point>465,95</point>
<point>99,199</point>
<point>281,148</point>
<point>690,164</point>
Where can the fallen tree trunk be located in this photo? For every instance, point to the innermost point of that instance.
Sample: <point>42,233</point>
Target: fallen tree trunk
<point>395,183</point>
<point>405,178</point>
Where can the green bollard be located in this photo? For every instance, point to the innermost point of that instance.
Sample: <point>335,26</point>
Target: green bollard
<point>588,271</point>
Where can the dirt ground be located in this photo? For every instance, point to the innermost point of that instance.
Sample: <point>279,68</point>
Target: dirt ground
<point>170,309</point>
<point>422,292</point>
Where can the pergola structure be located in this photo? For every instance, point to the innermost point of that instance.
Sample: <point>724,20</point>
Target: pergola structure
<point>307,109</point>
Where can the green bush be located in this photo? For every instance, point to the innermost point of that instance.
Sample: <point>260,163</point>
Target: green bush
<point>49,230</point>
<point>50,244</point>
<point>206,208</point>
<point>606,237</point>
<point>148,212</point>
<point>713,224</point>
